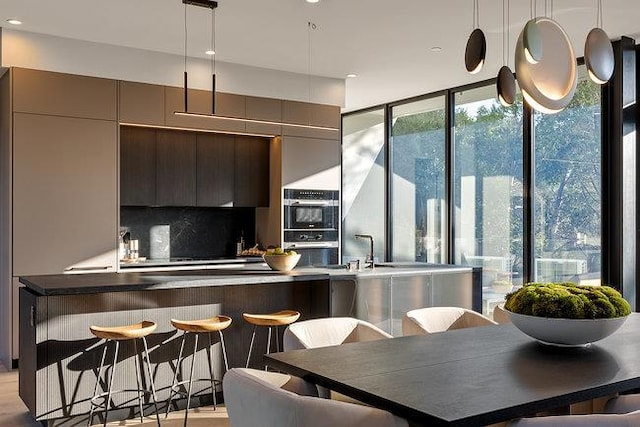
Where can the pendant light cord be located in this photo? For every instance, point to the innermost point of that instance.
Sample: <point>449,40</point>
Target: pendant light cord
<point>213,40</point>
<point>186,84</point>
<point>310,26</point>
<point>476,15</point>
<point>505,32</point>
<point>185,37</point>
<point>599,15</point>
<point>532,11</point>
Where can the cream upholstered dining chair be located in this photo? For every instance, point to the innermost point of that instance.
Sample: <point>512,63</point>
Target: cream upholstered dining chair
<point>631,419</point>
<point>430,320</point>
<point>267,399</point>
<point>500,315</point>
<point>330,331</point>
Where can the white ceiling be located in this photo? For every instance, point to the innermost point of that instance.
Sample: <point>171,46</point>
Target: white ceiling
<point>387,43</point>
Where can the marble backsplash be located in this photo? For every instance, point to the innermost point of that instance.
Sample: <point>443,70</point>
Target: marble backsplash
<point>187,232</point>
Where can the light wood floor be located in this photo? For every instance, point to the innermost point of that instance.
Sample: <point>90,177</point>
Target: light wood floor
<point>13,413</point>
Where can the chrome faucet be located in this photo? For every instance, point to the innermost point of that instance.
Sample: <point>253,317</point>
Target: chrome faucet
<point>369,258</point>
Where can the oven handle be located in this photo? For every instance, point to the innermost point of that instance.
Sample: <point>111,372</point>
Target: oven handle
<point>310,245</point>
<point>309,202</point>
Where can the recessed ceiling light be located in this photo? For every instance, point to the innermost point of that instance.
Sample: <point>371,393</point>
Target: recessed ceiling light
<point>436,49</point>
<point>210,52</point>
<point>351,75</point>
<point>14,21</point>
<point>313,1</point>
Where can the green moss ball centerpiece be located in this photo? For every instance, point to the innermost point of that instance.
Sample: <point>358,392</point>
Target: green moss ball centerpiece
<point>567,314</point>
<point>567,300</point>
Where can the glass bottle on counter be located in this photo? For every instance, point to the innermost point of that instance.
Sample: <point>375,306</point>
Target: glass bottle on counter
<point>240,246</point>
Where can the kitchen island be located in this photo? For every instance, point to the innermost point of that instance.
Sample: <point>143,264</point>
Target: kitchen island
<point>59,356</point>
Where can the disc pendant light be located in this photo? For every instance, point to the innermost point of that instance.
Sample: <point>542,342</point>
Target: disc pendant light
<point>549,85</point>
<point>476,49</point>
<point>506,82</point>
<point>598,52</point>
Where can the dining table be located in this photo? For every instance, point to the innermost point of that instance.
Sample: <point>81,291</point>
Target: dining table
<point>471,377</point>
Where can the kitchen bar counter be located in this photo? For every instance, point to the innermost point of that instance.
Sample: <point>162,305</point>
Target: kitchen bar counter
<point>59,356</point>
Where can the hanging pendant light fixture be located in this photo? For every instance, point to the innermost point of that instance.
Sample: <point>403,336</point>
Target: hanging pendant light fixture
<point>476,50</point>
<point>212,52</point>
<point>213,59</point>
<point>506,83</point>
<point>598,52</point>
<point>210,5</point>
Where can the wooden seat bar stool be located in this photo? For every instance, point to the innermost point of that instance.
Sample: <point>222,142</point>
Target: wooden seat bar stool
<point>271,320</point>
<point>116,334</point>
<point>197,327</point>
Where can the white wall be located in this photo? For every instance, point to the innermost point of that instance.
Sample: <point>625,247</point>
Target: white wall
<point>44,52</point>
<point>309,163</point>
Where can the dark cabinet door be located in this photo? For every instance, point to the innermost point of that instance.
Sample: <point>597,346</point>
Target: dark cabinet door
<point>137,166</point>
<point>251,172</point>
<point>176,168</point>
<point>215,169</point>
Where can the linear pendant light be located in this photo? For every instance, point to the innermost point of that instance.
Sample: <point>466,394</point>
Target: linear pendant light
<point>213,5</point>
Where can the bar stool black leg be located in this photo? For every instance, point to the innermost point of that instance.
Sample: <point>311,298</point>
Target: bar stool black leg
<point>253,337</point>
<point>138,379</point>
<point>175,375</point>
<point>224,352</point>
<point>213,380</point>
<point>113,374</point>
<point>277,340</point>
<point>95,388</point>
<point>193,364</point>
<point>153,387</point>
<point>268,347</point>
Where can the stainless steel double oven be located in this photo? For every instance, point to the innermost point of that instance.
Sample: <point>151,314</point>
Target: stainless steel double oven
<point>311,219</point>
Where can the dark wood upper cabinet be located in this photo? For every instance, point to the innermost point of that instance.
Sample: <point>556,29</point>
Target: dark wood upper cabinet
<point>137,166</point>
<point>141,103</point>
<point>251,172</point>
<point>215,169</point>
<point>176,168</point>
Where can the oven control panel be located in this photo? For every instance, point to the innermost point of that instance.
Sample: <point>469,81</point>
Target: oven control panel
<point>310,236</point>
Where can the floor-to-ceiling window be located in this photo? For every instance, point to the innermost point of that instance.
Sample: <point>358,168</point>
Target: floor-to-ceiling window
<point>418,209</point>
<point>488,188</point>
<point>363,183</point>
<point>567,197</point>
<point>457,178</point>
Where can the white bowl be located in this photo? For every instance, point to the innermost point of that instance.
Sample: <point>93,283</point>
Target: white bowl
<point>281,262</point>
<point>566,332</point>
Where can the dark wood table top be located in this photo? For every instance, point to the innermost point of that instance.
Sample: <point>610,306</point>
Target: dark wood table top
<point>474,376</point>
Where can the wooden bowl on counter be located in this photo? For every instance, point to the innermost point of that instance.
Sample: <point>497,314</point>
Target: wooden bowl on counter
<point>281,262</point>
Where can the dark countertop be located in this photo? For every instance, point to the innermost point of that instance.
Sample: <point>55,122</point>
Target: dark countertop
<point>70,284</point>
<point>66,284</point>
